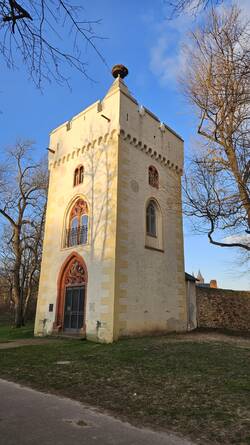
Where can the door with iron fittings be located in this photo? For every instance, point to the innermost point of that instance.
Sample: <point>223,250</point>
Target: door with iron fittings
<point>74,308</point>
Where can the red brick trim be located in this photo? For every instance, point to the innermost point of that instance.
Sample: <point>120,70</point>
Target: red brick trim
<point>61,286</point>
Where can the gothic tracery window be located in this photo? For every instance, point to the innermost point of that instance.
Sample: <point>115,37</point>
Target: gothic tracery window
<point>77,232</point>
<point>153,177</point>
<point>78,175</point>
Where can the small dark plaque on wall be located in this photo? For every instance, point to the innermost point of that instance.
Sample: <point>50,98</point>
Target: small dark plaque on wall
<point>51,307</point>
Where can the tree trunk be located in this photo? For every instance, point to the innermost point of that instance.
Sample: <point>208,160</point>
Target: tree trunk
<point>243,191</point>
<point>17,295</point>
<point>18,315</point>
<point>26,303</point>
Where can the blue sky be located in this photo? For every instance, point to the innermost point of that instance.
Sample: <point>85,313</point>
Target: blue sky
<point>138,36</point>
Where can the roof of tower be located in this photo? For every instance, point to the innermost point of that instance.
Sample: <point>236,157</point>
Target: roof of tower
<point>119,72</point>
<point>119,84</point>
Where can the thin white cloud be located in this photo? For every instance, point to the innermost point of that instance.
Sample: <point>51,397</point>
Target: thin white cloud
<point>166,57</point>
<point>240,238</point>
<point>167,60</point>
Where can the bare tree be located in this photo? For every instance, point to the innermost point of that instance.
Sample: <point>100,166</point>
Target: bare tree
<point>217,83</point>
<point>178,7</point>
<point>36,32</point>
<point>23,190</point>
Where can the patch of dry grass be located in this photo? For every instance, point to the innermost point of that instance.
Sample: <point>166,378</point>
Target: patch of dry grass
<point>201,390</point>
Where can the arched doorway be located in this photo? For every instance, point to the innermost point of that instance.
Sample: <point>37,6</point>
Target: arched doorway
<point>71,299</point>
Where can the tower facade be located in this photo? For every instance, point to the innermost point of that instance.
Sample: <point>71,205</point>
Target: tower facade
<point>113,262</point>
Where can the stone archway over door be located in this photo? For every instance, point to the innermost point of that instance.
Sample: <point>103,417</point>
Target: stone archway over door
<point>71,299</point>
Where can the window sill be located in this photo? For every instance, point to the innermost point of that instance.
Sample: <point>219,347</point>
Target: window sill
<point>154,248</point>
<point>76,246</point>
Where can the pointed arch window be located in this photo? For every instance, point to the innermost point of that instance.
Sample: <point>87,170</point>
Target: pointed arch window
<point>154,225</point>
<point>153,177</point>
<point>151,219</point>
<point>78,175</point>
<point>77,231</point>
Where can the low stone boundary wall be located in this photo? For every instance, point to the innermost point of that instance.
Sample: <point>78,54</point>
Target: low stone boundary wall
<point>223,308</point>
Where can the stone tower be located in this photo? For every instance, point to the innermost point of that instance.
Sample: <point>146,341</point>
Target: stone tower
<point>113,260</point>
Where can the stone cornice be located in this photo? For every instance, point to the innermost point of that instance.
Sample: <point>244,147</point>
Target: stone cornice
<point>108,137</point>
<point>152,153</point>
<point>77,151</point>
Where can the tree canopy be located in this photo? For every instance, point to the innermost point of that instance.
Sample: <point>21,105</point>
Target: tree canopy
<point>217,84</point>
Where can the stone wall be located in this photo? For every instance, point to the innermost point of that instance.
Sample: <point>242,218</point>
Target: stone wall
<point>91,142</point>
<point>150,287</point>
<point>223,308</point>
<point>191,305</point>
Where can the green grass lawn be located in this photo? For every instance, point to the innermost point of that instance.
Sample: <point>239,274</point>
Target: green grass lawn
<point>10,333</point>
<point>201,390</point>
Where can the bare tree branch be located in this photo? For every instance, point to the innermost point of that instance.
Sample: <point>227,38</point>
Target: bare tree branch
<point>33,33</point>
<point>178,7</point>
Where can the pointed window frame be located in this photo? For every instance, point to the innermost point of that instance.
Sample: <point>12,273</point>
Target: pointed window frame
<point>77,230</point>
